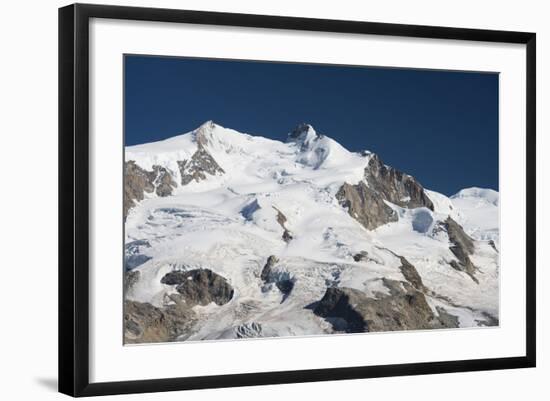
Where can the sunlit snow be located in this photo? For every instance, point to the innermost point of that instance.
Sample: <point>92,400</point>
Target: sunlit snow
<point>228,224</point>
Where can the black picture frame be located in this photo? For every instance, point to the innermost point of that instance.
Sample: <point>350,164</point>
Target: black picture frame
<point>74,200</point>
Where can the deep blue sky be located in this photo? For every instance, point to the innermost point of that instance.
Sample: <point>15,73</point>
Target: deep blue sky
<point>439,126</point>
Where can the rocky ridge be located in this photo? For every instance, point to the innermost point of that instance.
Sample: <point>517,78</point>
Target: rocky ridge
<point>461,246</point>
<point>138,182</point>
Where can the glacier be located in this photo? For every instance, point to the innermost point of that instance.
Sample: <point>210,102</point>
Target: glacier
<point>269,220</point>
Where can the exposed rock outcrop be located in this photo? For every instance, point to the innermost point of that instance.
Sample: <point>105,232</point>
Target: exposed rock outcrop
<point>446,319</point>
<point>130,279</point>
<point>411,274</point>
<point>145,323</point>
<point>138,181</point>
<point>287,236</point>
<point>405,309</point>
<point>363,255</point>
<point>365,205</point>
<point>493,245</point>
<point>204,135</point>
<point>267,269</point>
<point>366,200</point>
<point>281,219</point>
<point>198,166</point>
<point>394,186</point>
<point>461,246</point>
<point>303,134</point>
<point>200,286</point>
<point>163,181</point>
<point>282,280</point>
<point>342,303</point>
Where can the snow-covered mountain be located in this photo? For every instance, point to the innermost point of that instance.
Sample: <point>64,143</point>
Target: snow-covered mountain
<point>230,235</point>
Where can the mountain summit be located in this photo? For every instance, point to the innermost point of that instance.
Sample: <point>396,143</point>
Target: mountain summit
<point>302,134</point>
<point>231,235</point>
<point>204,135</point>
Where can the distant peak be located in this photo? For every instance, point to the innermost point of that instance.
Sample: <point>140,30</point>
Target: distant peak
<point>303,133</point>
<point>489,195</point>
<point>301,129</point>
<point>206,126</point>
<point>474,192</point>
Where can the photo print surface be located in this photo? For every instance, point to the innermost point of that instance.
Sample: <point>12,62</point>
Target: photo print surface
<point>267,199</point>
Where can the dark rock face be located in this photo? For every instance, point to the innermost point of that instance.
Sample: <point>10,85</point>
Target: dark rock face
<point>404,309</point>
<point>163,181</point>
<point>458,237</point>
<point>144,323</point>
<point>267,269</point>
<point>461,246</point>
<point>365,205</point>
<point>174,277</point>
<point>365,201</point>
<point>363,255</point>
<point>411,274</point>
<point>138,181</point>
<point>302,134</point>
<point>287,236</point>
<point>130,278</point>
<point>200,286</point>
<point>447,320</point>
<point>298,131</point>
<point>285,286</point>
<point>394,186</point>
<point>282,281</point>
<point>341,303</point>
<point>197,168</point>
<point>281,219</point>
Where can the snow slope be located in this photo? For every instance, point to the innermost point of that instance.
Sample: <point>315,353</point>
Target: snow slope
<point>228,223</point>
<point>479,212</point>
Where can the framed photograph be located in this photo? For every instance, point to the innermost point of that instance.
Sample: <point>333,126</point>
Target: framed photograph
<point>250,199</point>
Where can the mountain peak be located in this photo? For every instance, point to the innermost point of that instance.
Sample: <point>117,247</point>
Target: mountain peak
<point>204,134</point>
<point>303,133</point>
<point>482,194</point>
